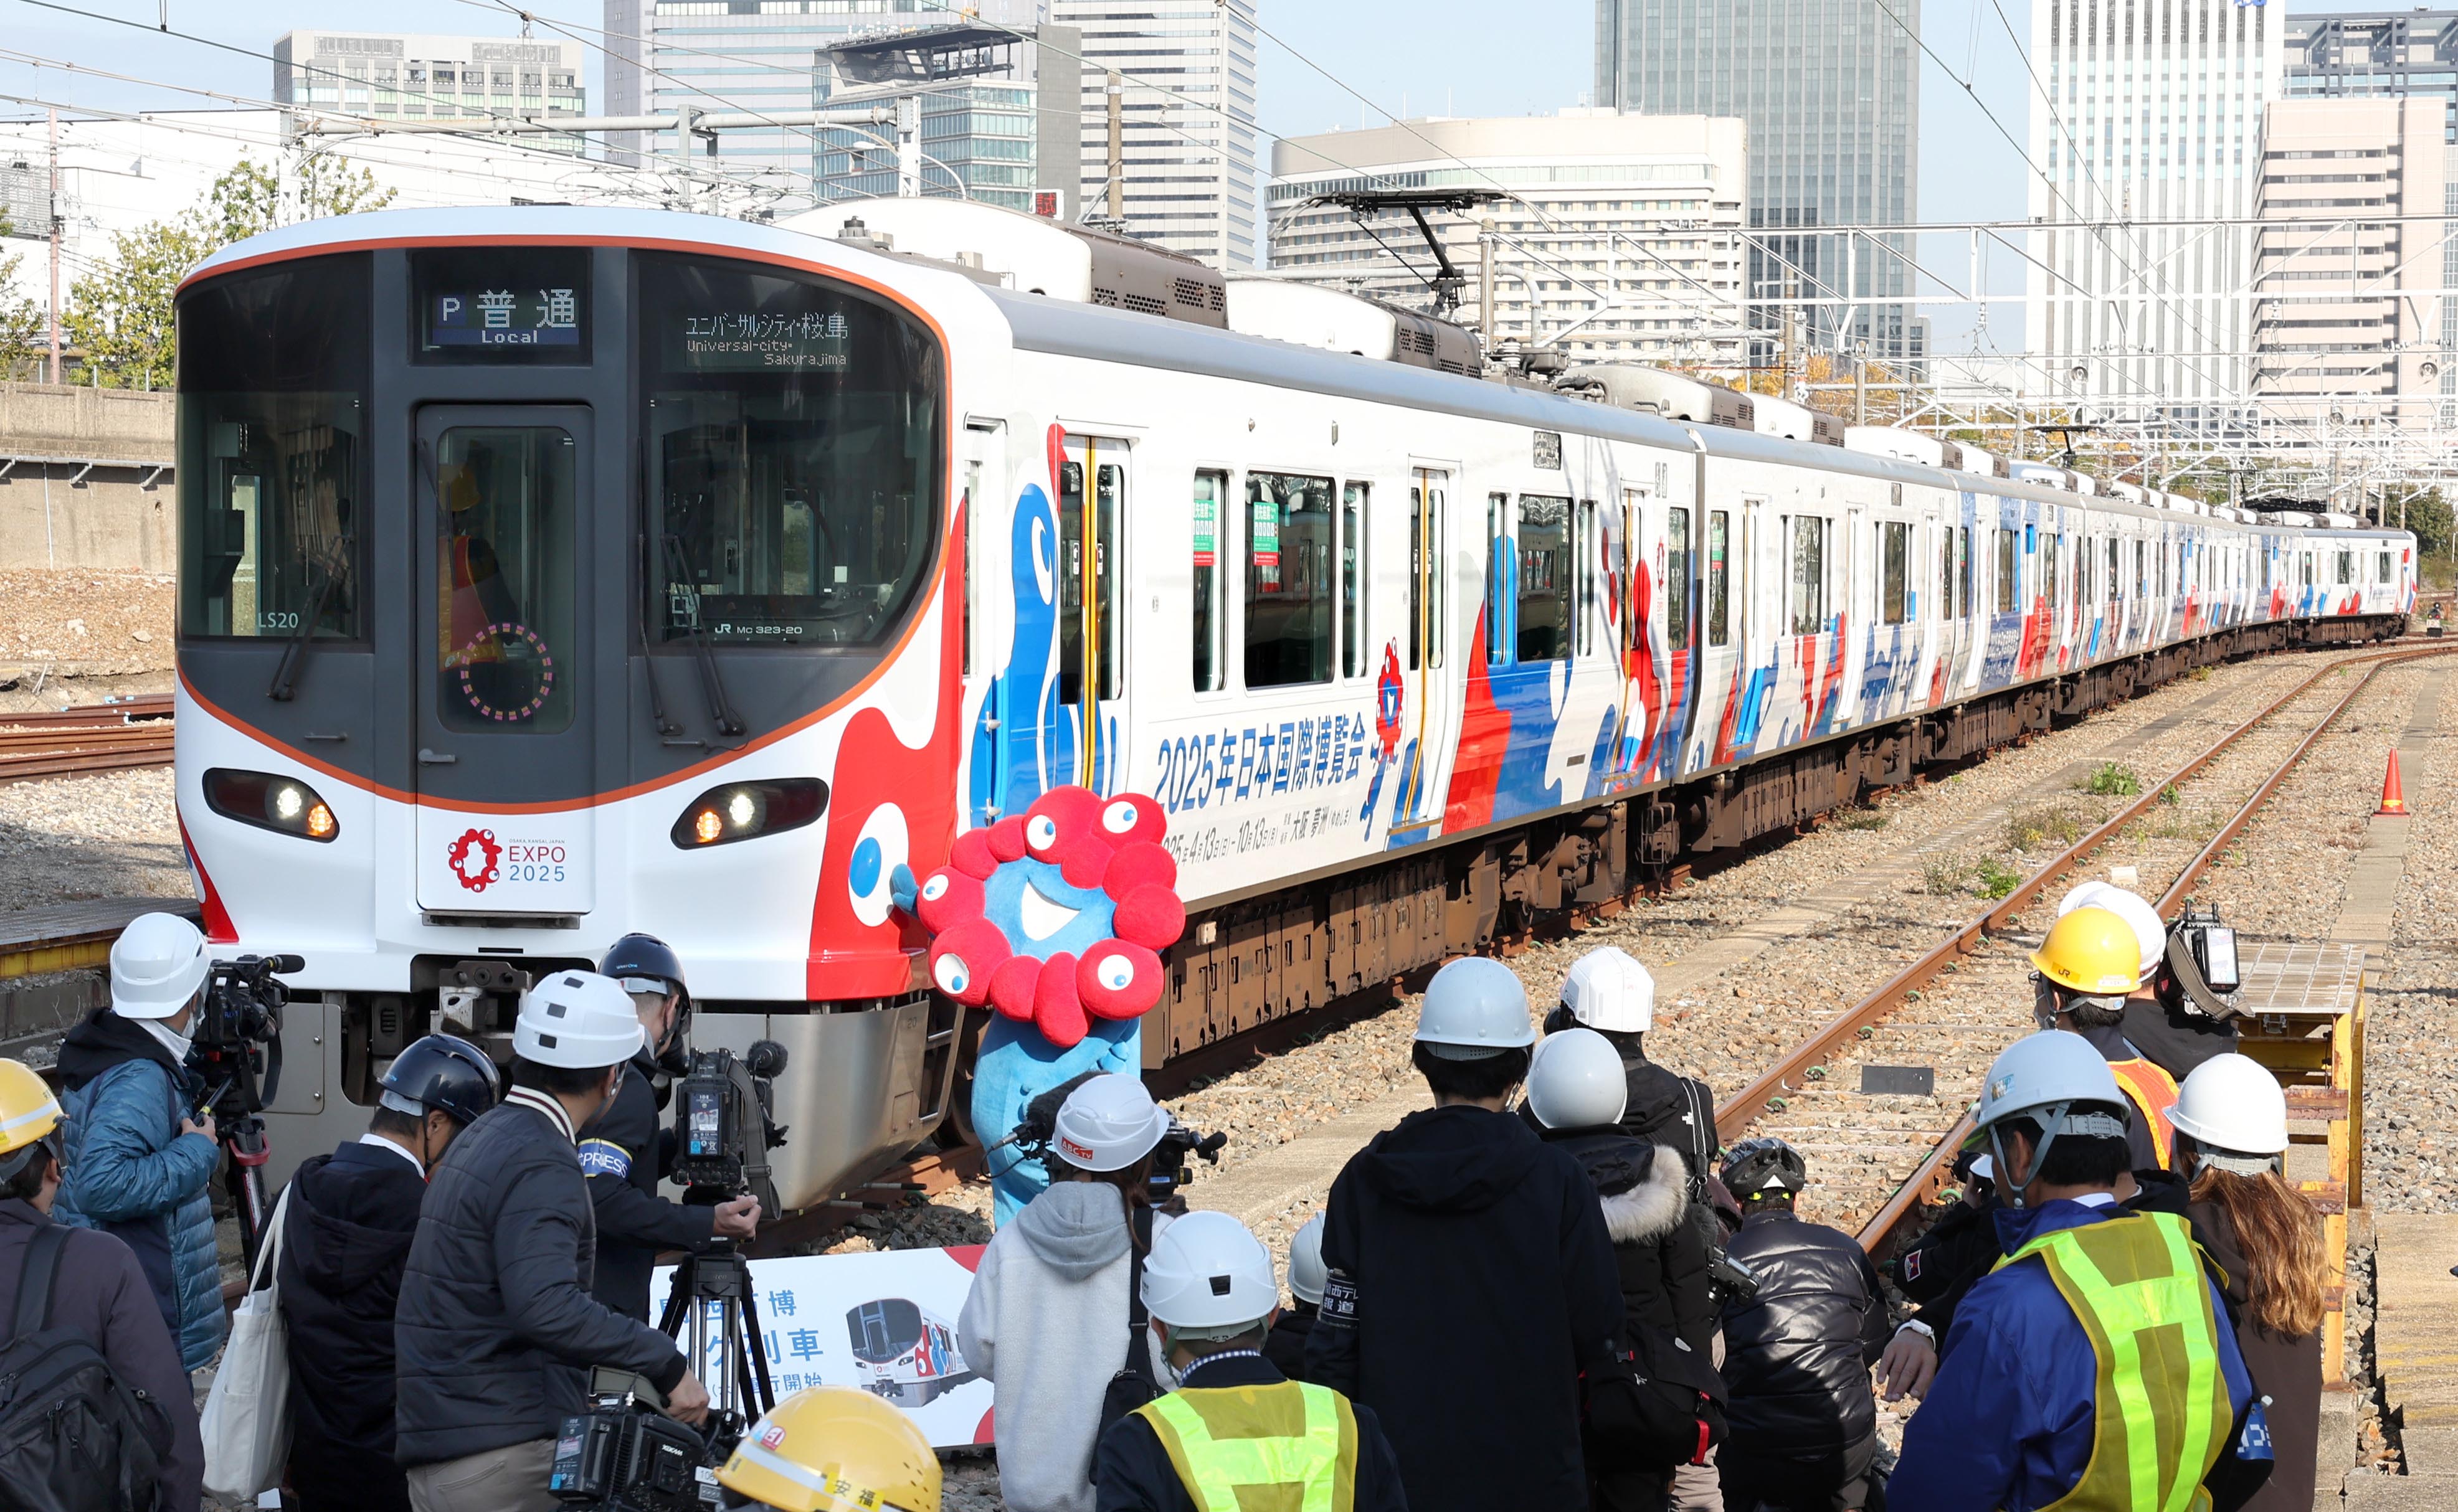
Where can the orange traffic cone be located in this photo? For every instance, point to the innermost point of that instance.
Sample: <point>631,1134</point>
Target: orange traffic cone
<point>2393,803</point>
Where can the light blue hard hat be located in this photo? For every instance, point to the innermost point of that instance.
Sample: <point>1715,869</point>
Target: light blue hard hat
<point>1474,1007</point>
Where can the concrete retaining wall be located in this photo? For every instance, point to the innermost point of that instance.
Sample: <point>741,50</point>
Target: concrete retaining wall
<point>108,517</point>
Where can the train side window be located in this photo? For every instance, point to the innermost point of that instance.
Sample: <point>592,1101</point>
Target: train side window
<point>2111,585</point>
<point>2346,568</point>
<point>2381,574</point>
<point>1288,579</point>
<point>1808,574</point>
<point>1894,554</point>
<point>1720,577</point>
<point>1210,669</point>
<point>2056,544</point>
<point>1109,483</point>
<point>1679,570</point>
<point>1963,572</point>
<point>2005,571</point>
<point>1353,623</point>
<point>1498,568</point>
<point>2142,571</point>
<point>1545,578</point>
<point>972,491</point>
<point>1585,545</point>
<point>1425,572</point>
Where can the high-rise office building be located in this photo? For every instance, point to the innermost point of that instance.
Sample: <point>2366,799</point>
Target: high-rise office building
<point>2399,54</point>
<point>409,77</point>
<point>1186,106</point>
<point>2351,322</point>
<point>1830,90</point>
<point>2148,141</point>
<point>1620,239</point>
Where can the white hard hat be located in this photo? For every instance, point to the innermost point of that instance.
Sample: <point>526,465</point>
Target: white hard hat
<point>2148,927</point>
<point>157,965</point>
<point>1208,1274</point>
<point>1306,1272</point>
<point>1107,1124</point>
<point>1609,989</point>
<point>2232,1104</point>
<point>2046,1073</point>
<point>578,1020</point>
<point>1576,1080</point>
<point>1474,1007</point>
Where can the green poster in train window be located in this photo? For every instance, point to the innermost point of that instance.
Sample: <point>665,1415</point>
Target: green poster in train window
<point>1207,511</point>
<point>1268,542</point>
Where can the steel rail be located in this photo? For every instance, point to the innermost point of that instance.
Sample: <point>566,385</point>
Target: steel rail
<point>1935,1170</point>
<point>99,715</point>
<point>41,766</point>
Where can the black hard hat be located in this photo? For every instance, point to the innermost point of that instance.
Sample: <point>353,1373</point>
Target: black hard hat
<point>1757,1165</point>
<point>646,957</point>
<point>446,1075</point>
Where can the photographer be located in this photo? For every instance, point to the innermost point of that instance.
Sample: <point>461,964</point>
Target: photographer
<point>623,1155</point>
<point>139,1153</point>
<point>496,1327</point>
<point>350,1220</point>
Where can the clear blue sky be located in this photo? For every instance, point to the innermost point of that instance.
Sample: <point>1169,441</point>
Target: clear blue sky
<point>1431,57</point>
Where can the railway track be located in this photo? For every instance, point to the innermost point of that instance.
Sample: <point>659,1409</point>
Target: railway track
<point>83,741</point>
<point>1877,1154</point>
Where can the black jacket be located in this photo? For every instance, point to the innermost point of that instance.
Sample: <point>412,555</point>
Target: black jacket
<point>1796,1356</point>
<point>1471,1280</point>
<point>1132,1472</point>
<point>2175,1040</point>
<point>1285,1345</point>
<point>1661,1259</point>
<point>343,1242</point>
<point>2286,1372</point>
<point>98,1289</point>
<point>496,1327</point>
<point>1671,1113</point>
<point>624,1159</point>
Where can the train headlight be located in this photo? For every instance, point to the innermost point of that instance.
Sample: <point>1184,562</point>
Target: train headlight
<point>742,810</point>
<point>284,805</point>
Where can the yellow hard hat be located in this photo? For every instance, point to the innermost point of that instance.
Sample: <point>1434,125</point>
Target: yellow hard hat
<point>28,1109</point>
<point>834,1449</point>
<point>2092,951</point>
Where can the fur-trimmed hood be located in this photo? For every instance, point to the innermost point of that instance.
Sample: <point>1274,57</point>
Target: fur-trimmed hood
<point>1643,1193</point>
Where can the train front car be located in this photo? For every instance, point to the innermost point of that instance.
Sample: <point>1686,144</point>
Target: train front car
<point>548,574</point>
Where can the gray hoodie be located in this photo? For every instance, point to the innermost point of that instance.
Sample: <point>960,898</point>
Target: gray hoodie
<point>1046,1322</point>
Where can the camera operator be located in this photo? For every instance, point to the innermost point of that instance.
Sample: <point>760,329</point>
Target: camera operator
<point>351,1217</point>
<point>139,1154</point>
<point>496,1328</point>
<point>624,1156</point>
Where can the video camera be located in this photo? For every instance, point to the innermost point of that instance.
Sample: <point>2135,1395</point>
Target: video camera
<point>238,1034</point>
<point>725,1124</point>
<point>1170,1158</point>
<point>622,1455</point>
<point>2201,973</point>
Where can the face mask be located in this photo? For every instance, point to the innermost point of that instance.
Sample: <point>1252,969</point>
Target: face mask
<point>1164,1375</point>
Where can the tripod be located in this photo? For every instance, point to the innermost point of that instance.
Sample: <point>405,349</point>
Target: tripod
<point>740,1390</point>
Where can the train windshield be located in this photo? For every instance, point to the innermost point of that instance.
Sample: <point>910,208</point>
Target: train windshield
<point>885,1329</point>
<point>794,429</point>
<point>272,451</point>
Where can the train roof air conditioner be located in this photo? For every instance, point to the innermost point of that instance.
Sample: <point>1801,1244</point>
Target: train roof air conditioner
<point>1033,254</point>
<point>1657,392</point>
<point>1904,446</point>
<point>1782,417</point>
<point>1335,321</point>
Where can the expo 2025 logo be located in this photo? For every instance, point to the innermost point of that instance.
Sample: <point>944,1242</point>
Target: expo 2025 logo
<point>473,859</point>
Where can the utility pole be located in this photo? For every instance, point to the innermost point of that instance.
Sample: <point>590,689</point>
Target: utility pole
<point>1486,243</point>
<point>1860,382</point>
<point>1118,191</point>
<point>908,146</point>
<point>54,208</point>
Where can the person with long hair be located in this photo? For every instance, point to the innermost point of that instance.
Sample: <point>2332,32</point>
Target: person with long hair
<point>1048,1319</point>
<point>2231,1120</point>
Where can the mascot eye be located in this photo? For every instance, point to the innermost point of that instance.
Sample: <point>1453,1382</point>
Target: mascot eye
<point>951,975</point>
<point>935,888</point>
<point>1119,819</point>
<point>1041,832</point>
<point>1115,972</point>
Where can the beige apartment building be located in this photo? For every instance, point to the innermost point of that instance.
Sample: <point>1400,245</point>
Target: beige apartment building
<point>2348,315</point>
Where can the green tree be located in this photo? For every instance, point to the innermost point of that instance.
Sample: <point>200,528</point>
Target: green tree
<point>121,316</point>
<point>21,320</point>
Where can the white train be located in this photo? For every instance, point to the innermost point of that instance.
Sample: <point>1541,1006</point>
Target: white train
<point>550,573</point>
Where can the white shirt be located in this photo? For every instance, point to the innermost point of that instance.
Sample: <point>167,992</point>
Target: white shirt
<point>2095,1200</point>
<point>406,1153</point>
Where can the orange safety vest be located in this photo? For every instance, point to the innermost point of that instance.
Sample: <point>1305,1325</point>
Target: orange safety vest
<point>2153,1092</point>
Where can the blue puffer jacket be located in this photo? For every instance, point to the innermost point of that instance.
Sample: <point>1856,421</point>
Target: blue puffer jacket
<point>130,1172</point>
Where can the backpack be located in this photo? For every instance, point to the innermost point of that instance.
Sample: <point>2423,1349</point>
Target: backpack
<point>1662,1404</point>
<point>1135,1385</point>
<point>74,1436</point>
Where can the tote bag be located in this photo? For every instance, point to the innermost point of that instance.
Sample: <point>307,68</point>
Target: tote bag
<point>247,1415</point>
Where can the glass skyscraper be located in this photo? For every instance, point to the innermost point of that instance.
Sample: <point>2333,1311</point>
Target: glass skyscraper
<point>1830,90</point>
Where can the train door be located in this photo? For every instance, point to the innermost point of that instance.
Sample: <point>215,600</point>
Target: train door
<point>1421,709</point>
<point>506,685</point>
<point>1091,677</point>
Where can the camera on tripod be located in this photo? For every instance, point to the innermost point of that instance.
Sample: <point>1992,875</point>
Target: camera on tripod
<point>1170,1158</point>
<point>238,1034</point>
<point>725,1123</point>
<point>622,1455</point>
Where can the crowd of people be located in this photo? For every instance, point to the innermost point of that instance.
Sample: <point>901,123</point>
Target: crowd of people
<point>1551,1288</point>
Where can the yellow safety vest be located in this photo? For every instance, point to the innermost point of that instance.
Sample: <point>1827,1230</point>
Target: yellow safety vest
<point>1290,1447</point>
<point>2161,1415</point>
